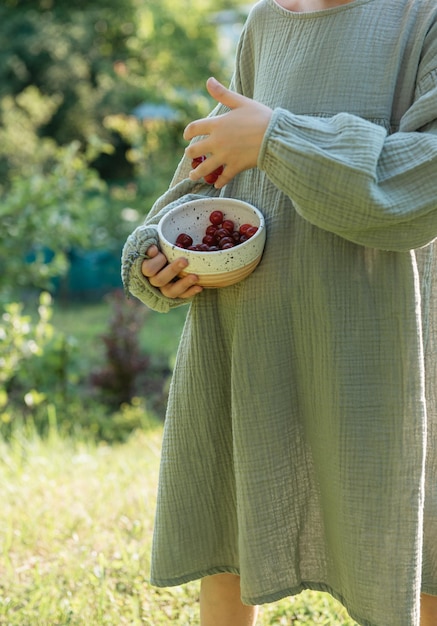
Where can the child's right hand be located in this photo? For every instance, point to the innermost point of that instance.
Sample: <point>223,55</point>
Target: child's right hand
<point>164,275</point>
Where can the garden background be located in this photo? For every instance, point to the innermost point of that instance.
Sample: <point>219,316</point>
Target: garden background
<point>94,96</point>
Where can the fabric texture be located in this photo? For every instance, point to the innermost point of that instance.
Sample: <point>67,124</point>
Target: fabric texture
<point>300,440</point>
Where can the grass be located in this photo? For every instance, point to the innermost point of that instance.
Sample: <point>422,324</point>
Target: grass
<point>76,520</point>
<point>75,532</point>
<point>75,528</point>
<point>159,336</point>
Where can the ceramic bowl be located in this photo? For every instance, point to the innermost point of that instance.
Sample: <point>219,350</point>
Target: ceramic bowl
<point>220,268</point>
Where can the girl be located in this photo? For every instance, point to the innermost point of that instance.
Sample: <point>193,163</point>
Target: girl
<point>300,441</point>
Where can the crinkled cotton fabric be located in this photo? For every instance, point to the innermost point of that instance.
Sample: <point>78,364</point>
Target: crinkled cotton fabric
<point>299,447</point>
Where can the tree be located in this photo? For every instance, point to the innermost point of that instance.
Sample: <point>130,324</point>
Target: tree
<point>95,58</point>
<point>70,76</point>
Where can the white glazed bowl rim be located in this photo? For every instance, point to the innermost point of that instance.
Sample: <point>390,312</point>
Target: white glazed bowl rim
<point>213,204</point>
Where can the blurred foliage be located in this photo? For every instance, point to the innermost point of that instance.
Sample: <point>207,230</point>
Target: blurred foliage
<point>44,215</point>
<point>78,171</point>
<point>42,378</point>
<point>94,58</point>
<point>77,168</point>
<point>35,359</point>
<point>124,362</point>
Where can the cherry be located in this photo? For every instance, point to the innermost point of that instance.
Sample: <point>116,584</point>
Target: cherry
<point>184,241</point>
<point>226,242</point>
<point>228,225</point>
<point>211,230</point>
<point>216,218</point>
<point>243,228</point>
<point>212,177</point>
<point>209,240</point>
<point>197,161</point>
<point>220,234</point>
<point>209,178</point>
<point>251,231</point>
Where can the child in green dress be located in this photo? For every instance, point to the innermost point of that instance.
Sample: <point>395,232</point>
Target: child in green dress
<point>299,449</point>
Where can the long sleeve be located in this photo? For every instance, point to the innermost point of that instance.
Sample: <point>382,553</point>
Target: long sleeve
<point>348,176</point>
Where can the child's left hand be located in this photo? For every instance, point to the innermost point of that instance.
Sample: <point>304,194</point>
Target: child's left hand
<point>233,139</point>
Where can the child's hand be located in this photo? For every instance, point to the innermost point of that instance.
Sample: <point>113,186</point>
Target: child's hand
<point>233,139</point>
<point>162,275</point>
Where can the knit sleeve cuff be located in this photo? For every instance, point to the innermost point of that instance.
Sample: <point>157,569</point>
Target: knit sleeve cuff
<point>133,255</point>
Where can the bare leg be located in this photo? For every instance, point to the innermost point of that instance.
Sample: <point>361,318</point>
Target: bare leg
<point>220,603</point>
<point>428,610</point>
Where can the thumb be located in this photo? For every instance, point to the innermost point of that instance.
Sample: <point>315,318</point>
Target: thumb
<point>225,96</point>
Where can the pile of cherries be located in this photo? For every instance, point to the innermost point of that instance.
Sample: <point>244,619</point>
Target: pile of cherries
<point>221,234</point>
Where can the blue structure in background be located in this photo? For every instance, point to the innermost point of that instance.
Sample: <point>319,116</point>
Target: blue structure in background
<point>92,274</point>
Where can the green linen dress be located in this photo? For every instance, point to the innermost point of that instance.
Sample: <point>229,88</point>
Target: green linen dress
<point>300,441</point>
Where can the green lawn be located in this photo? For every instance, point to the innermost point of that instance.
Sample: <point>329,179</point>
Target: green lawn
<point>159,335</point>
<point>75,532</point>
<point>76,519</point>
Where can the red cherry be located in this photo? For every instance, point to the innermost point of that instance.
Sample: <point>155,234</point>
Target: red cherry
<point>251,231</point>
<point>211,230</point>
<point>220,233</point>
<point>228,225</point>
<point>212,177</point>
<point>184,241</point>
<point>216,218</point>
<point>243,228</point>
<point>225,241</point>
<point>209,178</point>
<point>197,161</point>
<point>209,240</point>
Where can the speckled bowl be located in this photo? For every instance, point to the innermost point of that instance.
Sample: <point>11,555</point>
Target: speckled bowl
<point>220,268</point>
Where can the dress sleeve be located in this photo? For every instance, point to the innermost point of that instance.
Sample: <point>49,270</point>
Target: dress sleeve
<point>348,176</point>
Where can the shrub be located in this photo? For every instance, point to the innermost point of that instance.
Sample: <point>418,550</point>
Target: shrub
<point>117,378</point>
<point>36,362</point>
<point>44,215</point>
<point>46,385</point>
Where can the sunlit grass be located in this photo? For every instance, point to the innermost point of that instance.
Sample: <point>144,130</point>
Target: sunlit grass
<point>76,519</point>
<point>75,523</point>
<point>87,322</point>
<point>75,535</point>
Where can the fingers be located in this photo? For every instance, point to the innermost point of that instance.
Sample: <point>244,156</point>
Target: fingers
<point>223,95</point>
<point>210,168</point>
<point>164,275</point>
<point>154,263</point>
<point>182,288</point>
<point>198,128</point>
